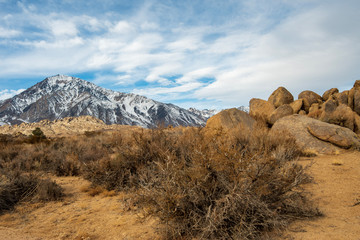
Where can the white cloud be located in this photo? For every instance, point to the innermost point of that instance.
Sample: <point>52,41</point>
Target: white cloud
<point>190,43</point>
<point>122,27</point>
<point>8,33</point>
<point>197,74</point>
<point>314,47</point>
<point>61,28</point>
<point>5,94</point>
<point>185,88</point>
<point>159,72</point>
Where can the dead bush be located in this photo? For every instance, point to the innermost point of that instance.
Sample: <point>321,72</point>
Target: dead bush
<point>217,185</point>
<point>16,187</point>
<point>223,187</point>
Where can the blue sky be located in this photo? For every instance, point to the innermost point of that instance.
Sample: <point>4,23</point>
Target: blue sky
<point>203,54</point>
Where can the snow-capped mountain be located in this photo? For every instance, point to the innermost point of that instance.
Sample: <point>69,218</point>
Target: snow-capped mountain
<point>243,108</point>
<point>63,96</point>
<point>208,113</point>
<point>205,113</point>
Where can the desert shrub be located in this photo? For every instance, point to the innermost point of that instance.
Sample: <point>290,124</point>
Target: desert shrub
<point>16,187</point>
<point>201,184</point>
<point>222,187</point>
<point>61,156</point>
<point>37,136</point>
<point>121,170</point>
<point>209,185</point>
<point>48,190</point>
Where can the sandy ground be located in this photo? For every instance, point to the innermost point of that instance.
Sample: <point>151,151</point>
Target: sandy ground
<point>79,216</point>
<point>336,190</point>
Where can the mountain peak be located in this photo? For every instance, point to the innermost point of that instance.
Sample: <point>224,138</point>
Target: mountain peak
<point>60,77</point>
<point>63,96</point>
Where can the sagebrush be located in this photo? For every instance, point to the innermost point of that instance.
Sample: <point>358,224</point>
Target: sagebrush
<point>201,184</point>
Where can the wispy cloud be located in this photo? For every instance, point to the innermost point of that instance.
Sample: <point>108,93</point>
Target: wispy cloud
<point>219,55</point>
<point>8,33</point>
<point>5,94</point>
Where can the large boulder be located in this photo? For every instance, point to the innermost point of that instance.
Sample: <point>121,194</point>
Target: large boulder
<point>297,105</point>
<point>330,105</point>
<point>354,97</point>
<point>280,112</point>
<point>310,98</point>
<point>357,100</point>
<point>314,107</point>
<point>342,116</point>
<point>280,97</point>
<point>356,123</point>
<point>342,97</point>
<point>357,84</point>
<point>306,105</point>
<point>339,136</point>
<point>317,142</point>
<point>229,119</point>
<point>351,98</point>
<point>261,109</point>
<point>329,93</point>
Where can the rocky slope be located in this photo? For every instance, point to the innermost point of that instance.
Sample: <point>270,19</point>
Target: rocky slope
<point>65,127</point>
<point>62,96</point>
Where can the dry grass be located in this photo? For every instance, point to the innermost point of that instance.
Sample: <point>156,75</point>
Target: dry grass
<point>199,184</point>
<point>238,186</point>
<point>18,187</point>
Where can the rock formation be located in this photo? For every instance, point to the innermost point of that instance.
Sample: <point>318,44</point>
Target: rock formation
<point>229,119</point>
<point>261,109</point>
<point>315,136</point>
<point>280,97</point>
<point>280,112</point>
<point>64,127</point>
<point>340,108</point>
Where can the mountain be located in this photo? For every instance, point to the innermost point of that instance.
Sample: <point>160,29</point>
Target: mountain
<point>63,96</point>
<point>206,113</point>
<point>243,108</point>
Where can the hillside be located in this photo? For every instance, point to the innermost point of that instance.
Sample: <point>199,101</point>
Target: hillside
<point>65,127</point>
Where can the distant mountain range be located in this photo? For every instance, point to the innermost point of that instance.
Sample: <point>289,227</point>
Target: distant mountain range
<point>63,96</point>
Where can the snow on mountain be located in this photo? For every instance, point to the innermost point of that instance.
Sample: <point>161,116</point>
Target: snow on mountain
<point>63,96</point>
<point>205,113</point>
<point>243,108</point>
<point>208,113</point>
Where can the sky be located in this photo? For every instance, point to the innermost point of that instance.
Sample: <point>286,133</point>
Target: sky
<point>212,54</point>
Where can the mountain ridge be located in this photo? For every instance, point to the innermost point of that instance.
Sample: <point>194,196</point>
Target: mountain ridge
<point>63,96</point>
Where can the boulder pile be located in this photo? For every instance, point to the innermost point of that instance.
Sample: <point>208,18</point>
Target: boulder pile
<point>324,124</point>
<point>340,108</point>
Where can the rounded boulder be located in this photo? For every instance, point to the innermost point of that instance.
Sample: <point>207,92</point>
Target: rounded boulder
<point>280,97</point>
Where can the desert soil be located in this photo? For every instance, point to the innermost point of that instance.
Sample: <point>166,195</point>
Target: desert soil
<point>336,190</point>
<point>79,216</point>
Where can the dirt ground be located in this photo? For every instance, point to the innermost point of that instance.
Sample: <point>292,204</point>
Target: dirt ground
<point>80,216</point>
<point>336,189</point>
